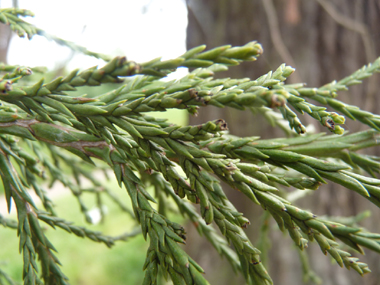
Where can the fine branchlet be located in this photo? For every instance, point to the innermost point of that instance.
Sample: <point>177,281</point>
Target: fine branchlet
<point>49,135</point>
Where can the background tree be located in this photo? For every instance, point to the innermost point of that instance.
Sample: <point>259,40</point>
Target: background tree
<point>141,150</point>
<point>322,40</point>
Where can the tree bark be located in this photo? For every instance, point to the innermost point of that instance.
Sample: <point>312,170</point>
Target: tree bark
<point>5,37</point>
<point>324,42</point>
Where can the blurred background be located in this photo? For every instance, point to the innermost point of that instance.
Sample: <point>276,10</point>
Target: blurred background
<point>323,40</point>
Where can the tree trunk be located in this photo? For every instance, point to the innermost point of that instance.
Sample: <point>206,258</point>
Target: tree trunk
<point>323,44</point>
<point>5,37</point>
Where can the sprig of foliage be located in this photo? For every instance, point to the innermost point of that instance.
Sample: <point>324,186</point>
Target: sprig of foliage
<point>8,223</point>
<point>54,221</point>
<point>39,119</point>
<point>11,17</point>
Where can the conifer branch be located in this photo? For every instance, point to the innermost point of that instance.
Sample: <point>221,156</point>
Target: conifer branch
<point>318,169</point>
<point>8,223</point>
<point>226,219</point>
<point>188,210</point>
<point>33,242</point>
<point>115,129</point>
<point>225,55</point>
<point>255,93</point>
<point>295,220</point>
<point>235,179</point>
<point>326,94</point>
<point>11,17</point>
<point>82,231</point>
<point>164,236</point>
<point>71,45</point>
<point>252,264</point>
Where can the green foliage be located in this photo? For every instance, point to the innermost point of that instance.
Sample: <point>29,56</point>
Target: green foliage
<point>39,119</point>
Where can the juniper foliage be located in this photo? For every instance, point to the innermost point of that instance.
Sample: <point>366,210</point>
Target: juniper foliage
<point>39,119</point>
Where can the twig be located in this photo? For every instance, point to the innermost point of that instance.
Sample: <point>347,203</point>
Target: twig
<point>361,29</point>
<point>275,34</point>
<point>352,25</point>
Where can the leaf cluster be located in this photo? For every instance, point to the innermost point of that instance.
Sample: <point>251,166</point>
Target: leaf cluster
<point>39,119</point>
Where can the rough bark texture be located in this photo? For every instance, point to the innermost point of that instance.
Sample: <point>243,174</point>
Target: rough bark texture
<point>322,48</point>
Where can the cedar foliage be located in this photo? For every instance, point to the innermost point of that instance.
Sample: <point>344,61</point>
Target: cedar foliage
<point>39,119</point>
